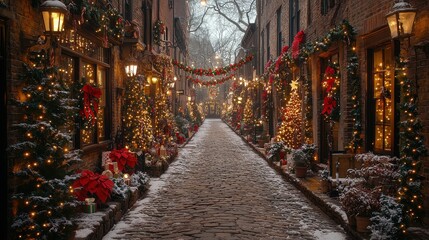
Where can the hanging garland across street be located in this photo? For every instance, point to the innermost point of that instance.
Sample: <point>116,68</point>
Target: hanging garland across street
<point>216,71</point>
<point>211,82</point>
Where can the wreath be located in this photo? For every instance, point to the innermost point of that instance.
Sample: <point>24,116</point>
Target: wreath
<point>158,29</point>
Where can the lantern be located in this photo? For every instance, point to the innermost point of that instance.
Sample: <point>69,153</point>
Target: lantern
<point>131,67</point>
<point>53,12</point>
<point>401,19</point>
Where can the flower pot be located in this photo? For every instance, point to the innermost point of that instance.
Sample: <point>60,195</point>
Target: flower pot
<point>300,172</point>
<point>352,220</point>
<point>362,223</point>
<point>324,186</point>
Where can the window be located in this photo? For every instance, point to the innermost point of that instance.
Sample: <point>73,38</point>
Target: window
<point>279,31</point>
<point>325,7</point>
<point>262,51</point>
<point>309,12</point>
<point>381,99</point>
<point>89,62</point>
<point>128,10</point>
<point>294,19</point>
<point>268,42</point>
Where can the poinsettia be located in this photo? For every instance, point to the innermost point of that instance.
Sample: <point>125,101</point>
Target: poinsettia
<point>91,184</point>
<point>124,158</point>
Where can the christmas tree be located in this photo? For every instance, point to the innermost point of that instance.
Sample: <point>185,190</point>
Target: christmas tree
<point>42,202</point>
<point>137,123</point>
<point>290,131</point>
<point>248,113</point>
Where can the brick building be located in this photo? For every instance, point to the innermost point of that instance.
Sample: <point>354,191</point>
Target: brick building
<point>95,50</point>
<point>278,22</point>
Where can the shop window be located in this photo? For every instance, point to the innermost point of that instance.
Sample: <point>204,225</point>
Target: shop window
<point>381,105</point>
<point>81,60</point>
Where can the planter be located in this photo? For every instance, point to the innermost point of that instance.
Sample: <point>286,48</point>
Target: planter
<point>362,223</point>
<point>324,186</point>
<point>261,143</point>
<point>300,172</point>
<point>352,220</point>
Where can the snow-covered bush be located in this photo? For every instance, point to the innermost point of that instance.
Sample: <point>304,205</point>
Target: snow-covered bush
<point>385,224</point>
<point>139,179</point>
<point>359,200</point>
<point>120,189</point>
<point>275,149</point>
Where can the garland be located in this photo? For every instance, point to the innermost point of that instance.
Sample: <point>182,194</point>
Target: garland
<point>158,30</point>
<point>412,148</point>
<point>331,102</point>
<point>107,21</point>
<point>211,82</point>
<point>216,71</point>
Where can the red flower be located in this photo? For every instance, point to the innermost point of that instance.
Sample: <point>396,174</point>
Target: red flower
<point>329,105</point>
<point>92,185</point>
<point>123,157</point>
<point>329,83</point>
<point>284,49</point>
<point>91,96</point>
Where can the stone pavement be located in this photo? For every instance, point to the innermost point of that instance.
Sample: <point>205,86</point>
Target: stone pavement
<point>218,188</point>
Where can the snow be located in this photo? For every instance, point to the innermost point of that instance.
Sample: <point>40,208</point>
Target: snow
<point>326,235</point>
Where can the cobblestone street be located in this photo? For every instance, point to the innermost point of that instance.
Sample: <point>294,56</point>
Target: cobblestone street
<point>218,188</point>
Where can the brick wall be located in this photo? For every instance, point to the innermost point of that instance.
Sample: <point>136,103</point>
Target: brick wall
<point>369,20</point>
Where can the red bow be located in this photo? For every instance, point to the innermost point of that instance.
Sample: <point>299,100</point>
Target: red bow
<point>90,97</point>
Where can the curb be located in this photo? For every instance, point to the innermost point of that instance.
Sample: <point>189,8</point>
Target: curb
<point>328,209</point>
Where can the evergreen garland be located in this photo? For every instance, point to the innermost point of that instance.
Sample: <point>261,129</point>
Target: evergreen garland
<point>412,148</point>
<point>354,98</point>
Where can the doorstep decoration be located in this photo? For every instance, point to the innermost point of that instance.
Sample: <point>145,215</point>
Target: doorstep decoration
<point>90,205</point>
<point>92,185</point>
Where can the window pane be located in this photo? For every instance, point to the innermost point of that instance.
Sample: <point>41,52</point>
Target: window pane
<point>67,72</point>
<point>379,137</point>
<point>379,111</point>
<point>387,138</point>
<point>88,132</point>
<point>101,81</point>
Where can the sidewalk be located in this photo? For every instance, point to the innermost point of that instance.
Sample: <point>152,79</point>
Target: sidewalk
<point>310,187</point>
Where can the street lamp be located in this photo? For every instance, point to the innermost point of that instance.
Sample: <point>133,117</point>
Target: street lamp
<point>401,19</point>
<point>131,67</point>
<point>53,12</point>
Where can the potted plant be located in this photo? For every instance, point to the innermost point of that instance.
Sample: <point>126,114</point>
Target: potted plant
<point>359,203</point>
<point>262,140</point>
<point>324,182</point>
<point>92,188</point>
<point>126,160</point>
<point>274,151</point>
<point>300,162</point>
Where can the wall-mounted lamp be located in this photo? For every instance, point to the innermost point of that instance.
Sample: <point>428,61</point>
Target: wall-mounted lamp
<point>401,19</point>
<point>189,98</point>
<point>203,2</point>
<point>151,79</point>
<point>131,67</point>
<point>53,12</point>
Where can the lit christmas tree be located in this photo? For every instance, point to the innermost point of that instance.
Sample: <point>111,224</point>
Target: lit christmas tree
<point>42,200</point>
<point>248,113</point>
<point>137,124</point>
<point>290,131</point>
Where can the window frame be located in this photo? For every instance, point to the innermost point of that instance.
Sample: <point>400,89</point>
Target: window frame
<point>279,30</point>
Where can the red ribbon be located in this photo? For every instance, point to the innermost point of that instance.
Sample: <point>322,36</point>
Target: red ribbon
<point>91,95</point>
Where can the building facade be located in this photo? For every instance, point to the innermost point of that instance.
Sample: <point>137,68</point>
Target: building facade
<point>378,94</point>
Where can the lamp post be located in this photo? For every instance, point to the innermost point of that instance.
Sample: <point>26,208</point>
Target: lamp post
<point>131,67</point>
<point>53,13</point>
<point>401,19</point>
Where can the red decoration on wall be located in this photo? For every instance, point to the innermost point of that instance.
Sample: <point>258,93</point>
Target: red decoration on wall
<point>299,38</point>
<point>329,105</point>
<point>91,96</point>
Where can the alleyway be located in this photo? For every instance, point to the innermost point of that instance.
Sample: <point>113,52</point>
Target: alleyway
<point>218,188</point>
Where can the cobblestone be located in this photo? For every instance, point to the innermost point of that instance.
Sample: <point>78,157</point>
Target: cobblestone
<point>218,188</point>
